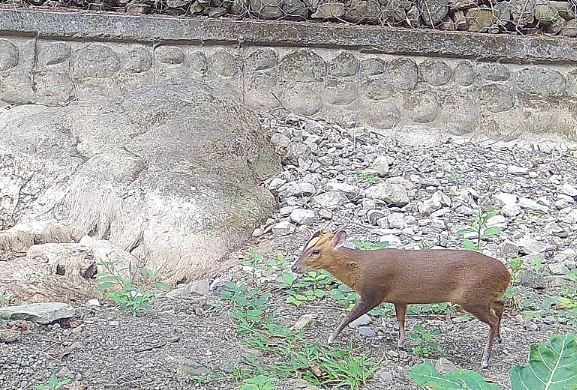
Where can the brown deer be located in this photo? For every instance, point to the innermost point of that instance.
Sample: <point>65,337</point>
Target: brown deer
<point>402,277</point>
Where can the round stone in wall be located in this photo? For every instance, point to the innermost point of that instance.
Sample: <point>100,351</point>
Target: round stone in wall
<point>261,59</point>
<point>169,55</point>
<point>95,60</point>
<point>421,106</point>
<point>572,83</point>
<point>223,63</point>
<point>372,66</point>
<point>139,60</point>
<point>496,98</point>
<point>54,53</point>
<point>258,88</point>
<point>303,65</point>
<point>340,92</point>
<point>464,73</point>
<point>540,81</point>
<point>402,73</point>
<point>302,98</point>
<point>377,89</point>
<point>344,64</point>
<point>198,62</point>
<point>9,55</point>
<point>460,114</point>
<point>435,72</point>
<point>494,72</point>
<point>380,114</point>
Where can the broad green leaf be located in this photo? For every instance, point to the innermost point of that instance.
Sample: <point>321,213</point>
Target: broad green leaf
<point>552,366</point>
<point>427,376</point>
<point>470,245</point>
<point>492,231</point>
<point>466,231</point>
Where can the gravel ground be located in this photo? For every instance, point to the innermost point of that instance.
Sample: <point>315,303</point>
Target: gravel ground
<point>379,190</point>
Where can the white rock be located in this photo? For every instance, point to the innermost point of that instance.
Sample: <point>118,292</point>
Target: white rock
<point>381,165</point>
<point>391,193</point>
<point>530,204</point>
<point>347,189</point>
<point>497,220</point>
<point>511,210</point>
<point>569,190</point>
<point>93,302</point>
<point>297,188</point>
<point>392,240</point>
<point>281,140</point>
<point>41,313</point>
<point>506,199</point>
<point>396,220</point>
<point>329,200</point>
<point>303,216</point>
<point>515,170</point>
<point>276,183</point>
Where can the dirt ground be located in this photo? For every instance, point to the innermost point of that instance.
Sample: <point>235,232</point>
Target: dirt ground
<point>179,340</point>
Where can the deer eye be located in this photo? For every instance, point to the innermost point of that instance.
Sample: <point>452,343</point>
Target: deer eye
<point>315,253</point>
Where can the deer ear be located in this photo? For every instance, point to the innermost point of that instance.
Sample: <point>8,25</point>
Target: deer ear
<point>340,239</point>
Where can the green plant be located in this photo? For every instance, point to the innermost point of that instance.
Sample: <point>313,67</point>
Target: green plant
<point>516,265</point>
<point>454,176</point>
<point>426,342</point>
<point>124,291</point>
<point>54,383</point>
<point>259,382</point>
<point>311,287</point>
<point>249,304</point>
<point>552,366</point>
<point>369,177</point>
<point>369,246</point>
<point>4,299</point>
<point>427,376</point>
<point>480,230</point>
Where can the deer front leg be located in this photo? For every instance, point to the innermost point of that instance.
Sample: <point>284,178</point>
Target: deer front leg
<point>360,308</point>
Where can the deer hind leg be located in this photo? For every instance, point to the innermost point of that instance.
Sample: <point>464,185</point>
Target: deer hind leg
<point>498,307</point>
<point>484,313</point>
<point>401,311</point>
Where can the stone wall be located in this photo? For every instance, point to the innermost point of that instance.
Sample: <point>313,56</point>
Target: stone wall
<point>388,79</point>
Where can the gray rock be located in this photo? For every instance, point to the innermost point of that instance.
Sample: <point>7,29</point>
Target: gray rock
<point>304,321</point>
<point>495,72</point>
<point>435,72</point>
<point>558,269</point>
<point>281,140</point>
<point>374,216</point>
<point>531,279</point>
<point>523,12</point>
<point>436,11</point>
<point>348,189</point>
<point>403,73</point>
<point>9,56</point>
<point>283,228</point>
<point>329,200</point>
<point>496,98</point>
<point>570,29</point>
<point>366,331</point>
<point>303,216</point>
<point>95,60</point>
<point>329,10</point>
<point>361,321</point>
<point>386,376</point>
<point>445,366</point>
<point>391,193</point>
<point>372,66</point>
<point>530,246</point>
<point>541,81</point>
<point>480,19</point>
<point>464,74</point>
<point>530,204</point>
<point>41,313</point>
<point>509,249</point>
<point>344,65</point>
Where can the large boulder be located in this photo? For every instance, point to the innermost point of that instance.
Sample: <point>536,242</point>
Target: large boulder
<point>170,173</point>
